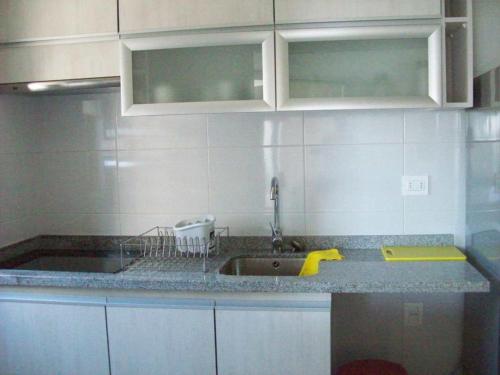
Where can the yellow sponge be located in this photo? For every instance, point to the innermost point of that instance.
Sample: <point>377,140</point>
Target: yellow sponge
<point>311,264</point>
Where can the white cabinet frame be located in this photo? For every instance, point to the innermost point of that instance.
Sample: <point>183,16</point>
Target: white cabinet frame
<point>431,32</point>
<point>265,38</point>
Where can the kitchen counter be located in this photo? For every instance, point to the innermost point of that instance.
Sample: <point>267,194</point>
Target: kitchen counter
<point>362,271</point>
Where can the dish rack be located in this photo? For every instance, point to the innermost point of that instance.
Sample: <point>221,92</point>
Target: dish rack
<point>159,243</point>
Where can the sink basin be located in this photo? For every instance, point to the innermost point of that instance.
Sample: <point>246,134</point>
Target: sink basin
<point>66,261</point>
<point>263,266</point>
<point>74,264</point>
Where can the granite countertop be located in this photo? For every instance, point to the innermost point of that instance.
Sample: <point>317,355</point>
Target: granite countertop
<point>362,271</point>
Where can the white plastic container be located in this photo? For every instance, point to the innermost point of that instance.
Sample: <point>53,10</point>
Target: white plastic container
<point>195,235</point>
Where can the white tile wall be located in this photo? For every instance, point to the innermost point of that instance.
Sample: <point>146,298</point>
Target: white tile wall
<point>340,172</point>
<point>163,181</point>
<point>161,132</point>
<point>353,127</point>
<point>255,129</point>
<point>78,123</point>
<point>354,178</point>
<point>240,179</point>
<point>18,168</point>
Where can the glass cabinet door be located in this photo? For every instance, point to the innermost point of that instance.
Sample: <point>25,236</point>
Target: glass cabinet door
<point>359,67</point>
<point>223,72</point>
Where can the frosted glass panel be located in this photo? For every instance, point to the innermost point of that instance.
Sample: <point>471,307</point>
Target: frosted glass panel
<point>359,68</point>
<point>198,74</point>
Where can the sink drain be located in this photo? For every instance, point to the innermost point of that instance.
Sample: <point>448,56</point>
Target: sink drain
<point>276,264</point>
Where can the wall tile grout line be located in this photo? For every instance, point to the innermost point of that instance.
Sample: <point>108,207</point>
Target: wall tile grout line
<point>209,203</point>
<point>117,166</point>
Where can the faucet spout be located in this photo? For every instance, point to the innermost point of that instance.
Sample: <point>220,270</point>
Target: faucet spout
<point>277,236</point>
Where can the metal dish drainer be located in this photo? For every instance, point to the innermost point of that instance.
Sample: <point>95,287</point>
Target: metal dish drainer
<point>159,243</point>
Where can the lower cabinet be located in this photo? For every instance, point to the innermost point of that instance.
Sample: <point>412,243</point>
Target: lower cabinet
<point>273,338</point>
<point>248,335</point>
<point>44,336</point>
<point>151,337</point>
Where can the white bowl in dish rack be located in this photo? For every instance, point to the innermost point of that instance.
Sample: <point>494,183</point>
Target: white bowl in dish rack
<point>195,235</point>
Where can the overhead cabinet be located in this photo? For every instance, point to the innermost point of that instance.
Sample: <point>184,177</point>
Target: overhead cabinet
<point>202,73</point>
<point>359,67</point>
<point>304,11</point>
<point>50,61</point>
<point>22,20</point>
<point>458,54</point>
<point>155,15</point>
<point>51,40</point>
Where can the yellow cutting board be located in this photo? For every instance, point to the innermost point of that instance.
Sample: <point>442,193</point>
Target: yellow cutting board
<point>420,254</point>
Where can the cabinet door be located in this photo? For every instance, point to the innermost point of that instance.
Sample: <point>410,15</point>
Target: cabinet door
<point>205,73</point>
<point>293,11</point>
<point>161,337</point>
<point>153,15</point>
<point>48,338</point>
<point>40,19</point>
<point>262,337</point>
<point>359,67</point>
<point>59,61</point>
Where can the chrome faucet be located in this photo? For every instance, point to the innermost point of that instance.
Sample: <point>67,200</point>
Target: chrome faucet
<point>277,235</point>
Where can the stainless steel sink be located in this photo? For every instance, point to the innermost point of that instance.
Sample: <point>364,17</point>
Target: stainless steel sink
<point>262,266</point>
<point>75,264</point>
<point>67,261</point>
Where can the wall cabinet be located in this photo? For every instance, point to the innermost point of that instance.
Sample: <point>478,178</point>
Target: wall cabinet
<point>40,19</point>
<point>204,73</point>
<point>46,62</point>
<point>303,11</point>
<point>151,337</point>
<point>46,337</point>
<point>359,67</point>
<point>265,337</point>
<point>154,15</point>
<point>458,54</point>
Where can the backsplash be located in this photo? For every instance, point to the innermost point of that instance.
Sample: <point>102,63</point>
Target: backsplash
<point>340,172</point>
<point>18,163</point>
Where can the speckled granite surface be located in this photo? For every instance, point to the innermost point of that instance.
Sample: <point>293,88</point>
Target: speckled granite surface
<point>363,271</point>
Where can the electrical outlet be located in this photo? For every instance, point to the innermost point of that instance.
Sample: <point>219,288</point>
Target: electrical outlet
<point>415,185</point>
<point>413,314</point>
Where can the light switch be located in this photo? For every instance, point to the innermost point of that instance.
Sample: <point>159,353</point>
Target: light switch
<point>415,185</point>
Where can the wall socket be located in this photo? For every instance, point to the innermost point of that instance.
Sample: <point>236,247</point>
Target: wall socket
<point>414,313</point>
<point>415,185</point>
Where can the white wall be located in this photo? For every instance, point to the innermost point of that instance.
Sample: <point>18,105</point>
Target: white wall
<point>18,163</point>
<point>340,172</point>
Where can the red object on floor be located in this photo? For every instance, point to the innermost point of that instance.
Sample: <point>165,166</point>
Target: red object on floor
<point>371,367</point>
